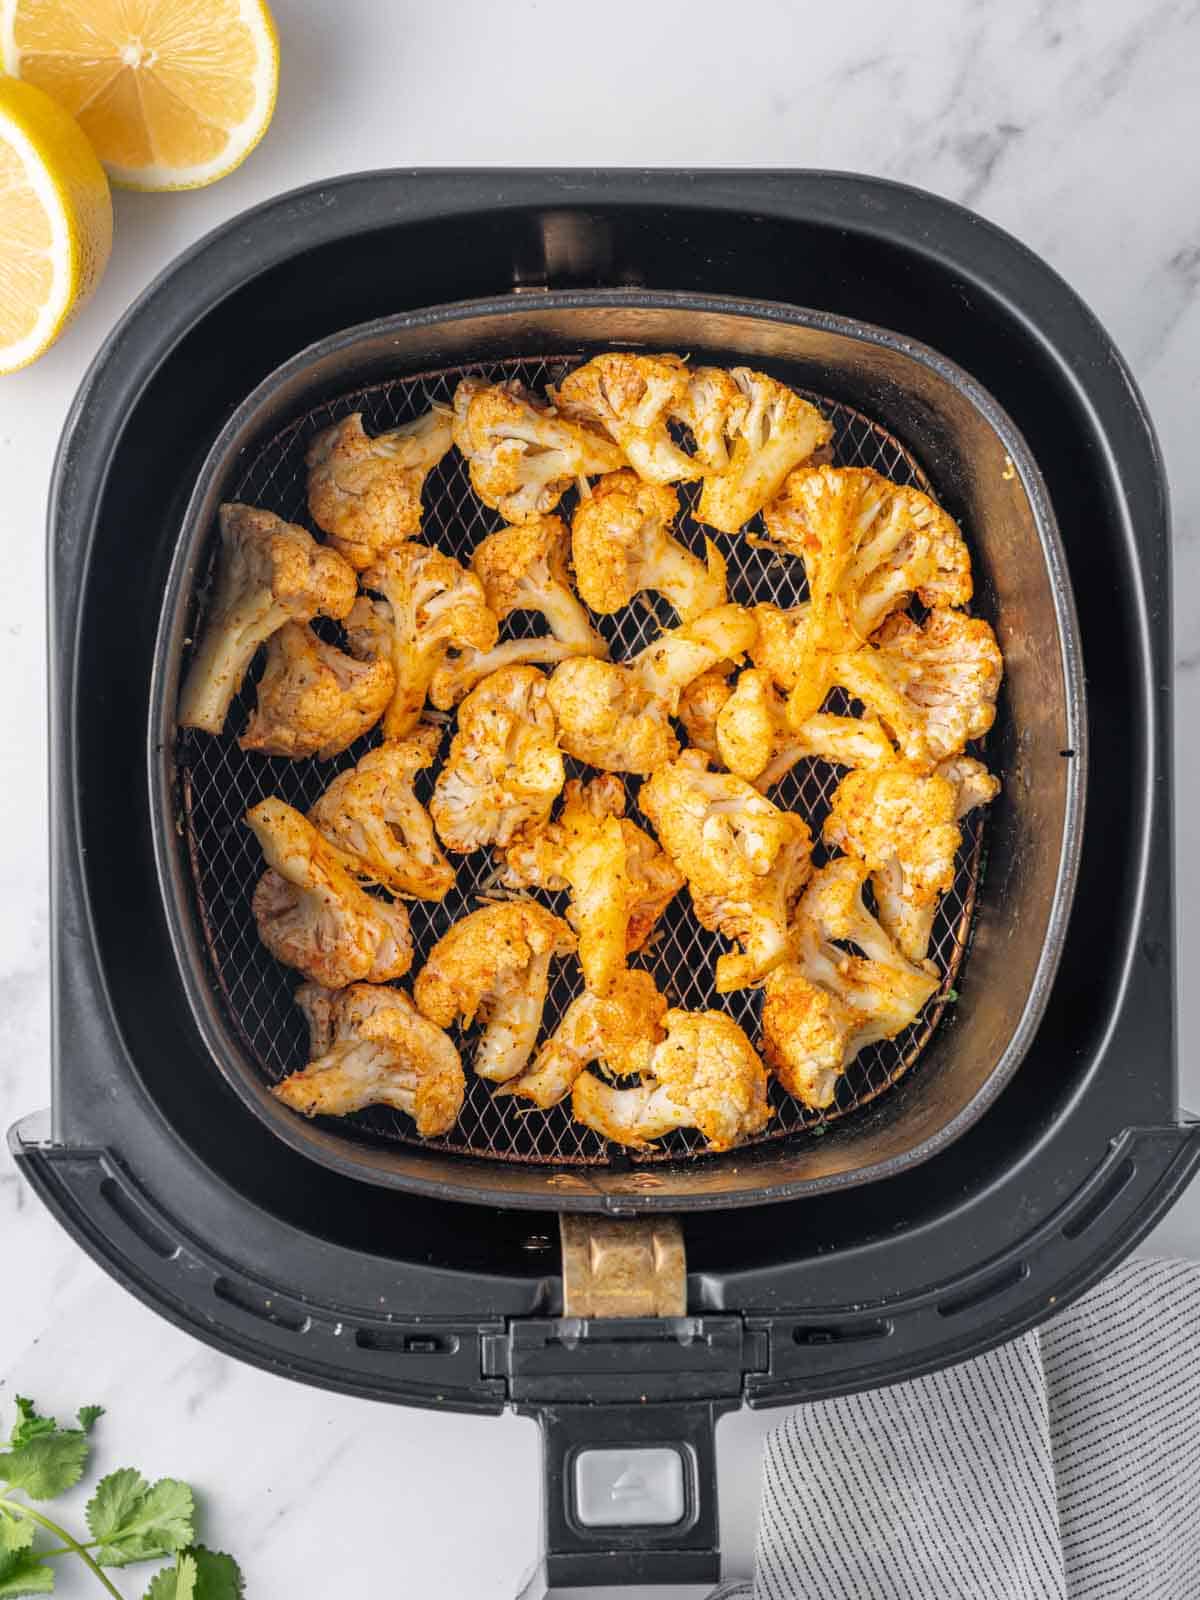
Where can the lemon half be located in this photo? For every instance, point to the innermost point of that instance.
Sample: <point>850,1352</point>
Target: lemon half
<point>173,94</point>
<point>55,222</point>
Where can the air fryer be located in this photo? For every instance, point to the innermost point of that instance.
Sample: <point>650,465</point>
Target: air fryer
<point>1025,1150</point>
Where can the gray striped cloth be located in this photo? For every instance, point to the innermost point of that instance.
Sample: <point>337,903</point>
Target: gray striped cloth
<point>1063,1466</point>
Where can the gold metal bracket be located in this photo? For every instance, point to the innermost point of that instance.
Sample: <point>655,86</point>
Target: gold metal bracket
<point>616,1268</point>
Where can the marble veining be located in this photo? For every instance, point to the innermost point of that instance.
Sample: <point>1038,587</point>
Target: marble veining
<point>1072,123</point>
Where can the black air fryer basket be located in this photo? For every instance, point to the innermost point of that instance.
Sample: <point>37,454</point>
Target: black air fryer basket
<point>984,1168</point>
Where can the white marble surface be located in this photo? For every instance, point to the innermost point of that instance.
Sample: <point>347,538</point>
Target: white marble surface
<point>1075,125</point>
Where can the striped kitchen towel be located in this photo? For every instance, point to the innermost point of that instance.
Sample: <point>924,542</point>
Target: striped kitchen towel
<point>1062,1466</point>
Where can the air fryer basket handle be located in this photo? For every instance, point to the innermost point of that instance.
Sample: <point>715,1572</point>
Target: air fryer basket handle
<point>629,1495</point>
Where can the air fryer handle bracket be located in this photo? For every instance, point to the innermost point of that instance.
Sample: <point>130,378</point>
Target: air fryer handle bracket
<point>629,1497</point>
<point>628,1408</point>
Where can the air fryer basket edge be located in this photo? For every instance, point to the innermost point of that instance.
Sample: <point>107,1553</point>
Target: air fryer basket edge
<point>755,330</point>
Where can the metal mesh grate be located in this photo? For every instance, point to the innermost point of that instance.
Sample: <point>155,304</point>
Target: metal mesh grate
<point>219,783</point>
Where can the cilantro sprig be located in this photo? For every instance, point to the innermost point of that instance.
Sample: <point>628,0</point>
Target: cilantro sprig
<point>129,1519</point>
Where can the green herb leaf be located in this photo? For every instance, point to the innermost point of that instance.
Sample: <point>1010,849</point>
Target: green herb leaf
<point>89,1416</point>
<point>30,1424</point>
<point>23,1573</point>
<point>133,1520</point>
<point>175,1583</point>
<point>218,1576</point>
<point>198,1574</point>
<point>47,1464</point>
<point>16,1534</point>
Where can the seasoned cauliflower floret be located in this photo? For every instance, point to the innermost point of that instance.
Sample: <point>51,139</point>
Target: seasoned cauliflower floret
<point>712,398</point>
<point>465,670</point>
<point>745,860</point>
<point>868,545</point>
<point>313,699</point>
<point>669,663</point>
<point>374,816</point>
<point>633,399</point>
<point>430,606</point>
<point>620,881</point>
<point>494,967</point>
<point>705,1074</point>
<point>521,455</point>
<point>524,568</point>
<point>622,545</point>
<point>754,738</point>
<point>973,784</point>
<point>810,1038</point>
<point>607,717</point>
<point>700,705</point>
<point>810,1035</point>
<point>618,717</point>
<point>769,431</point>
<point>370,1046</point>
<point>505,768</point>
<point>904,828</point>
<point>268,572</point>
<point>933,685</point>
<point>618,1030</point>
<point>310,912</point>
<point>780,646</point>
<point>366,493</point>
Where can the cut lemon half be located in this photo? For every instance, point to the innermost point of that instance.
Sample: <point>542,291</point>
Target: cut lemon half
<point>55,222</point>
<point>173,94</point>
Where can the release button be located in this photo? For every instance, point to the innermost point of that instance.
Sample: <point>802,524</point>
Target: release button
<point>629,1488</point>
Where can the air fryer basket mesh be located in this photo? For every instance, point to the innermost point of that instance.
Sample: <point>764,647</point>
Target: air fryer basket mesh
<point>219,782</point>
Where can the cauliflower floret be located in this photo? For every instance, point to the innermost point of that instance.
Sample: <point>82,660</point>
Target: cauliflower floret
<point>679,655</point>
<point>973,784</point>
<point>505,768</point>
<point>430,606</point>
<point>494,966</point>
<point>655,880</point>
<point>770,431</point>
<point>607,717</point>
<point>621,542</point>
<point>366,493</point>
<point>618,1029</point>
<point>620,881</point>
<point>745,860</point>
<point>370,1046</point>
<point>522,456</point>
<point>712,397</point>
<point>310,912</point>
<point>790,648</point>
<point>809,1035</point>
<point>268,572</point>
<point>466,670</point>
<point>524,568</point>
<point>842,741</point>
<point>932,685</point>
<point>705,1074</point>
<point>700,705</point>
<point>618,717</point>
<point>755,740</point>
<point>313,699</point>
<point>372,813</point>
<point>867,545</point>
<point>633,398</point>
<point>780,647</point>
<point>824,1006</point>
<point>903,828</point>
